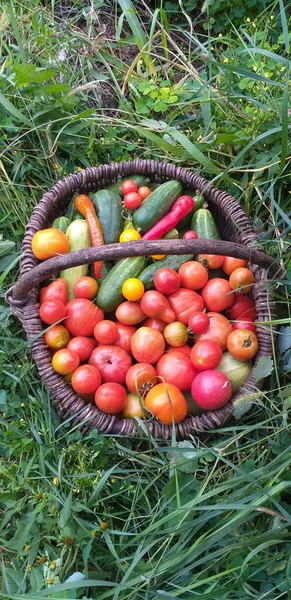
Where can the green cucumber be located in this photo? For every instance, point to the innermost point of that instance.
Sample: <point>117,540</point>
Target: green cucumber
<point>136,177</point>
<point>153,186</point>
<point>171,262</point>
<point>204,224</point>
<point>156,206</point>
<point>71,208</point>
<point>173,234</point>
<point>108,208</point>
<point>199,203</point>
<point>110,295</point>
<point>62,223</point>
<point>79,238</point>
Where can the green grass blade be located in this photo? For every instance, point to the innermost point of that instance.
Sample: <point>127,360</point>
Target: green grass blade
<point>284,118</point>
<point>285,27</point>
<point>193,150</point>
<point>15,112</point>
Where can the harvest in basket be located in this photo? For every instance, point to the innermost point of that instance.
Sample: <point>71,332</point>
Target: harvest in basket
<point>157,333</point>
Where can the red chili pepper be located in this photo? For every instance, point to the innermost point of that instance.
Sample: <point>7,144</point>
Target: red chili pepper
<point>84,205</point>
<point>182,207</point>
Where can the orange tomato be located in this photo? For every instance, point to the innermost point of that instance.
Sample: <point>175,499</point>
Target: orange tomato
<point>65,361</point>
<point>144,191</point>
<point>57,337</point>
<point>242,280</point>
<point>167,403</point>
<point>47,243</point>
<point>242,344</point>
<point>230,264</point>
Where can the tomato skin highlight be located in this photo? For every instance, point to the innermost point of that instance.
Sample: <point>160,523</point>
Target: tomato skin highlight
<point>47,243</point>
<point>51,311</point>
<point>82,316</point>
<point>86,287</point>
<point>106,332</point>
<point>111,398</point>
<point>57,337</point>
<point>242,344</point>
<point>86,379</point>
<point>167,403</point>
<point>57,290</point>
<point>65,361</point>
<point>211,389</point>
<point>84,346</point>
<point>243,307</point>
<point>176,368</point>
<point>206,355</point>
<point>230,264</point>
<point>141,376</point>
<point>147,345</point>
<point>112,363</point>
<point>167,281</point>
<point>193,275</point>
<point>198,322</point>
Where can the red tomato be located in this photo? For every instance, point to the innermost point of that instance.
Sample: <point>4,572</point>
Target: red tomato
<point>211,261</point>
<point>242,344</point>
<point>198,322</point>
<point>141,376</point>
<point>57,337</point>
<point>186,350</point>
<point>132,200</point>
<point>57,290</point>
<point>193,275</point>
<point>133,407</point>
<point>128,186</point>
<point>106,332</point>
<point>167,403</point>
<point>176,334</point>
<point>82,316</point>
<point>230,264</point>
<point>125,333</point>
<point>156,324</point>
<point>86,287</point>
<point>82,345</point>
<point>218,330</point>
<point>111,398</point>
<point>156,306</point>
<point>206,355</point>
<point>147,345</point>
<point>243,307</point>
<point>112,363</point>
<point>242,280</point>
<point>86,379</point>
<point>245,324</point>
<point>211,390</point>
<point>176,368</point>
<point>129,313</point>
<point>166,281</point>
<point>217,294</point>
<point>65,361</point>
<point>51,311</point>
<point>184,303</point>
<point>190,235</point>
<point>144,191</point>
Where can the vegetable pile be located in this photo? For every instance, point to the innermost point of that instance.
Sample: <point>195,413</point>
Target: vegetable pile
<point>164,337</point>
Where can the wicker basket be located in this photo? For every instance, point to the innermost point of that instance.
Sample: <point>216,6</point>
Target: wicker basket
<point>240,240</point>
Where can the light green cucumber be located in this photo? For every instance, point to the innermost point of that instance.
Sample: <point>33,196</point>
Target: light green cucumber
<point>79,238</point>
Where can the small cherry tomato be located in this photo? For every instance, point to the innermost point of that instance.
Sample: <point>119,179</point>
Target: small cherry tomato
<point>198,322</point>
<point>84,346</point>
<point>86,287</point>
<point>211,389</point>
<point>211,261</point>
<point>243,307</point>
<point>144,191</point>
<point>190,235</point>
<point>193,275</point>
<point>57,337</point>
<point>86,379</point>
<point>128,187</point>
<point>57,290</point>
<point>230,264</point>
<point>158,256</point>
<point>111,398</point>
<point>242,344</point>
<point>242,280</point>
<point>245,323</point>
<point>106,332</point>
<point>129,313</point>
<point>133,407</point>
<point>129,235</point>
<point>206,355</point>
<point>141,377</point>
<point>167,403</point>
<point>52,311</point>
<point>133,289</point>
<point>166,281</point>
<point>176,334</point>
<point>47,243</point>
<point>65,361</point>
<point>132,200</point>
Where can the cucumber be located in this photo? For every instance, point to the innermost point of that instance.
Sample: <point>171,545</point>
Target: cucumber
<point>171,262</point>
<point>79,238</point>
<point>173,234</point>
<point>199,203</point>
<point>109,295</point>
<point>138,179</point>
<point>108,208</point>
<point>71,208</point>
<point>62,223</point>
<point>153,186</point>
<point>204,224</point>
<point>156,206</point>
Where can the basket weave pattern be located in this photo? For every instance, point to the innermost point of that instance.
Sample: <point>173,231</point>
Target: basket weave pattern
<point>234,226</point>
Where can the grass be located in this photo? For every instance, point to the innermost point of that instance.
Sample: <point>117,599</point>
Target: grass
<point>208,518</point>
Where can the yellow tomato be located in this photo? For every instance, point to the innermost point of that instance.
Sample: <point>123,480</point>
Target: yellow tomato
<point>158,256</point>
<point>47,243</point>
<point>133,289</point>
<point>133,407</point>
<point>129,235</point>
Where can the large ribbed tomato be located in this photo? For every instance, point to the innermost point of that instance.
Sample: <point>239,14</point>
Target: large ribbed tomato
<point>147,345</point>
<point>176,368</point>
<point>184,303</point>
<point>218,330</point>
<point>217,294</point>
<point>82,316</point>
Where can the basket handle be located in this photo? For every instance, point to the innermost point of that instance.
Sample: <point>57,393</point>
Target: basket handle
<point>19,293</point>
